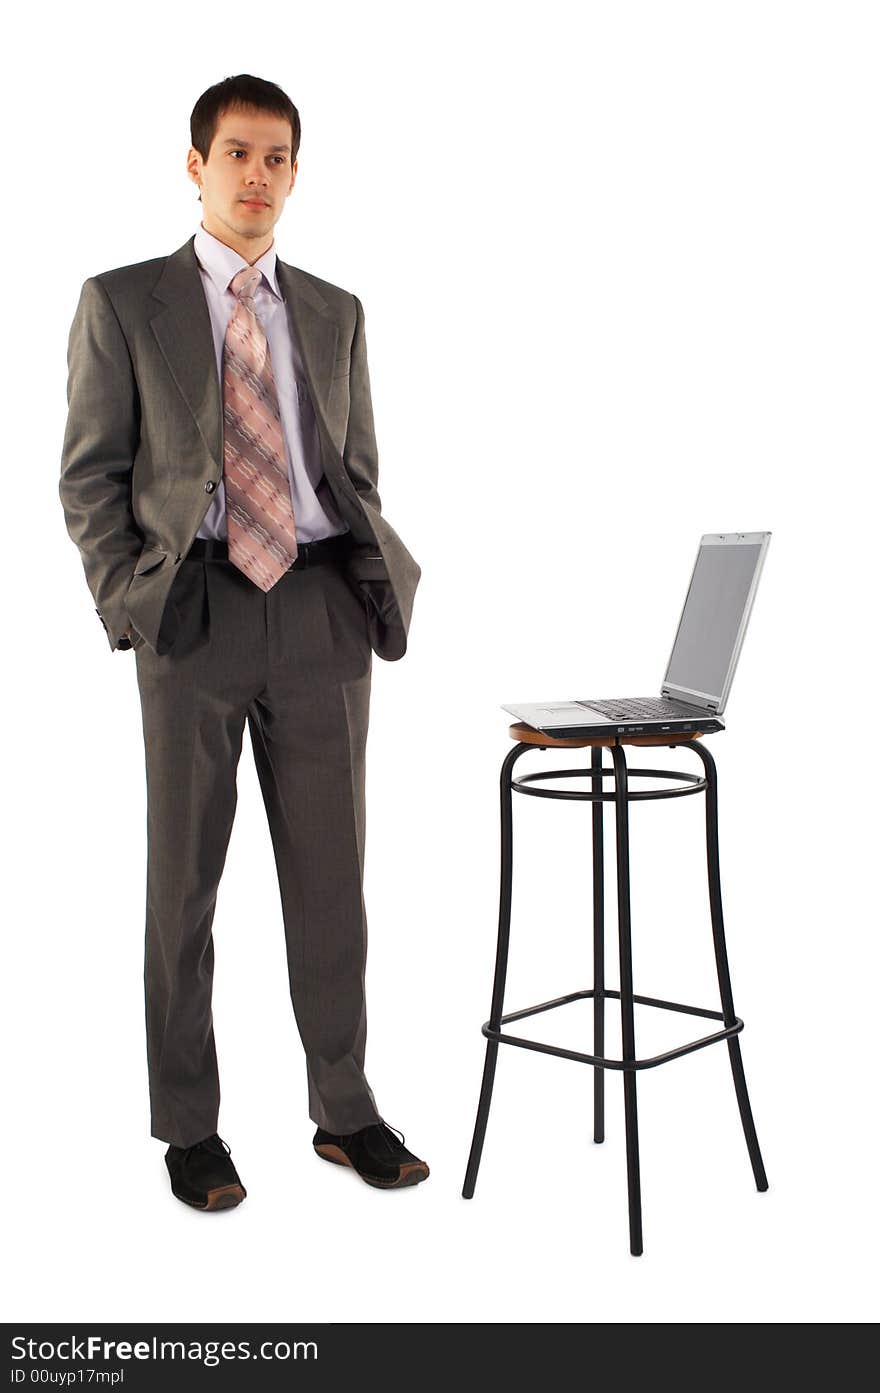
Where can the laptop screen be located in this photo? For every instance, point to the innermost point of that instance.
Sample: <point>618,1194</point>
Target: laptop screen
<point>715,614</point>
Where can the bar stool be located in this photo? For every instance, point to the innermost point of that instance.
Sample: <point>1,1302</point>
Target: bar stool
<point>527,739</point>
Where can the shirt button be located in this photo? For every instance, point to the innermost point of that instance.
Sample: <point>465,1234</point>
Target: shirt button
<point>210,486</point>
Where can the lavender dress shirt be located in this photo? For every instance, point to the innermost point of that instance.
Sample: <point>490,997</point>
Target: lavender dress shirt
<point>313,509</point>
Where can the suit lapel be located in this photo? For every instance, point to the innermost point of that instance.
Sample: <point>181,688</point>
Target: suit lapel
<point>183,332</point>
<point>313,329</point>
<point>184,335</point>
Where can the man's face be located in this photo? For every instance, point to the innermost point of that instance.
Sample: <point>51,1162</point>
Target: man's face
<point>247,176</point>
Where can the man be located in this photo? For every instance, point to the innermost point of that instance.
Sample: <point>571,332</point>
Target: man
<point>219,479</point>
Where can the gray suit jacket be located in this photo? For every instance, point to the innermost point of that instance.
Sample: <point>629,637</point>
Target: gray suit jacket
<point>143,446</point>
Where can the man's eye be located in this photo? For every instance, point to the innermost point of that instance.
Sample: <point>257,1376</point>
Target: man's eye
<point>241,152</point>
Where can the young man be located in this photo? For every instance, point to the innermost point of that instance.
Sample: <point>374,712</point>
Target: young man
<point>219,479</point>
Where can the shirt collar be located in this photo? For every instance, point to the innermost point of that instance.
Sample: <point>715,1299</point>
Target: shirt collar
<point>221,262</point>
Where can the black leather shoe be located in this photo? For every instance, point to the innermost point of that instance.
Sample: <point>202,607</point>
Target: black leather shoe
<point>203,1175</point>
<point>376,1153</point>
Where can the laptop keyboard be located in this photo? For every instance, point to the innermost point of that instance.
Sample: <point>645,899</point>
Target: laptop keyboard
<point>639,708</point>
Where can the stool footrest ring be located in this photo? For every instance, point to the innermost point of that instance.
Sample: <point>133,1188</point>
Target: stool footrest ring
<point>598,1061</point>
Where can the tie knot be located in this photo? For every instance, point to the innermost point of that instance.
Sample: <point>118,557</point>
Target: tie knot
<point>244,283</point>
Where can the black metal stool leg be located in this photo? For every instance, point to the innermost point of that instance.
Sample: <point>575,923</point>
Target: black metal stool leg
<point>736,1064</point>
<point>626,1002</point>
<point>476,1152</point>
<point>598,948</point>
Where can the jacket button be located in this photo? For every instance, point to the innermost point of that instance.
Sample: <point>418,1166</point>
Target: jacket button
<point>210,486</point>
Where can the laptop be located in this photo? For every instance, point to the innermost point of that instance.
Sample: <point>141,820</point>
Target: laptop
<point>700,671</point>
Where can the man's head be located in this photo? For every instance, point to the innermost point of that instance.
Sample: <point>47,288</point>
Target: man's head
<point>245,137</point>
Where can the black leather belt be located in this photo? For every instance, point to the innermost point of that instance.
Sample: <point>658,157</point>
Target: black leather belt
<point>317,553</point>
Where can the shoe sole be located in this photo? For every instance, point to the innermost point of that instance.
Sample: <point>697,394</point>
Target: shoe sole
<point>411,1172</point>
<point>224,1197</point>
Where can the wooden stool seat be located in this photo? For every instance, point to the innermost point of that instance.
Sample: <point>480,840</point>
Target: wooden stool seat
<point>527,735</point>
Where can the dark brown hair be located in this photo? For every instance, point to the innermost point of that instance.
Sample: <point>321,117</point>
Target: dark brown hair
<point>244,91</point>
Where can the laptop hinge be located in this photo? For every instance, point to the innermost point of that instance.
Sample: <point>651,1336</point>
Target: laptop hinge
<point>690,701</point>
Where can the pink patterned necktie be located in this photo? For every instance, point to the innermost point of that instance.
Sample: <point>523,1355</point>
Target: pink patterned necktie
<point>261,535</point>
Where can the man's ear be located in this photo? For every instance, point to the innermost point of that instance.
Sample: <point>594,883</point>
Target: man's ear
<point>193,160</point>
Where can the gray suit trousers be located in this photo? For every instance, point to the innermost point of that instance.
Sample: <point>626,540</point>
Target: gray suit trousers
<point>296,664</point>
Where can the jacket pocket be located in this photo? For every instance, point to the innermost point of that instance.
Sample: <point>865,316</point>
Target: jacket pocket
<point>150,559</point>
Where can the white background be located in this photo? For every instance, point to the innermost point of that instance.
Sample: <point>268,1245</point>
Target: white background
<point>619,264</point>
